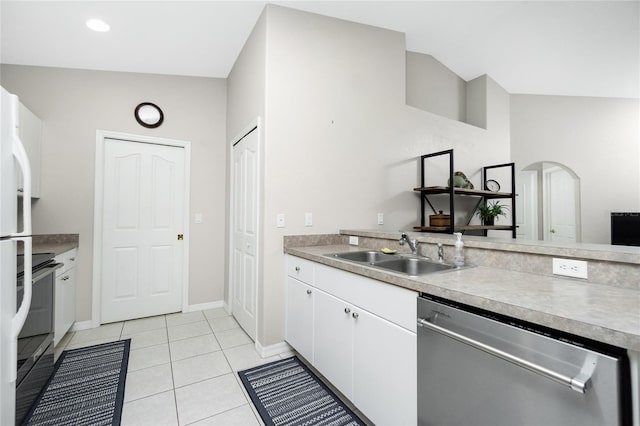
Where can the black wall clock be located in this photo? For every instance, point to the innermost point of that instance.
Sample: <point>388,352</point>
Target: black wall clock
<point>149,115</point>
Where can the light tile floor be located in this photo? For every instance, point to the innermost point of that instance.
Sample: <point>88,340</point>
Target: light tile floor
<point>182,368</point>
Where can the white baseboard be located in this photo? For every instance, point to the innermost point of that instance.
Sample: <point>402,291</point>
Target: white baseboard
<point>82,325</point>
<point>271,350</point>
<point>206,306</point>
<point>85,325</point>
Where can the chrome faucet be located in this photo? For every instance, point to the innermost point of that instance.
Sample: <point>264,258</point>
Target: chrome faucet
<point>413,244</point>
<point>440,253</point>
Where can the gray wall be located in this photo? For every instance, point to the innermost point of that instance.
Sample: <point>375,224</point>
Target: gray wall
<point>597,138</point>
<point>74,104</point>
<point>433,87</point>
<point>339,140</point>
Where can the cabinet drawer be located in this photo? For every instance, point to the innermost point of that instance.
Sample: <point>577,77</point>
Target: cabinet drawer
<point>68,259</point>
<point>300,269</point>
<point>393,303</point>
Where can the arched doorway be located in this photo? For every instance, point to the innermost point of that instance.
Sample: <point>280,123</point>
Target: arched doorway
<point>548,203</point>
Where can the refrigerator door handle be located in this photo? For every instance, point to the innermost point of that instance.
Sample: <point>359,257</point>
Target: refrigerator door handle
<point>23,161</point>
<point>18,320</point>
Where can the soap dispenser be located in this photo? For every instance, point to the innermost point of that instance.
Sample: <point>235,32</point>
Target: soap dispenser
<point>458,258</point>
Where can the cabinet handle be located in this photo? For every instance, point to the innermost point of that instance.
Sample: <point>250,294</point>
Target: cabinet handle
<point>297,269</point>
<point>355,315</point>
<point>20,189</point>
<point>309,292</point>
<point>347,311</point>
<point>73,259</point>
<point>66,277</point>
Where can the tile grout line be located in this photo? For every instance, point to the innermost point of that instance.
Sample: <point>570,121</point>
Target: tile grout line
<point>173,381</point>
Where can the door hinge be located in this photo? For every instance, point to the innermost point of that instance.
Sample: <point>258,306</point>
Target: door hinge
<point>180,236</point>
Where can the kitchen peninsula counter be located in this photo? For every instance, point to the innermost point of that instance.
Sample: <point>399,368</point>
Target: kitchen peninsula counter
<point>605,313</point>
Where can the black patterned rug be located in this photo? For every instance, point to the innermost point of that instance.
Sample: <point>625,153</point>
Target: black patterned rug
<point>286,392</point>
<point>86,387</point>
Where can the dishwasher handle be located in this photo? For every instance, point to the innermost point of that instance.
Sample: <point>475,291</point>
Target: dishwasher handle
<point>579,383</point>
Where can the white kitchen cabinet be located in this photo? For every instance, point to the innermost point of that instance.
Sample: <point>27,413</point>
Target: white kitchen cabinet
<point>299,317</point>
<point>364,339</point>
<point>65,295</point>
<point>31,135</point>
<point>300,306</point>
<point>333,341</point>
<point>384,370</point>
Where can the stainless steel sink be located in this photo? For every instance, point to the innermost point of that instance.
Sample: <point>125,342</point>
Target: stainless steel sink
<point>414,266</point>
<point>405,264</point>
<point>369,256</point>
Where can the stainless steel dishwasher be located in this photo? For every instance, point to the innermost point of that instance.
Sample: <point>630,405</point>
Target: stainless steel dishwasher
<point>476,368</point>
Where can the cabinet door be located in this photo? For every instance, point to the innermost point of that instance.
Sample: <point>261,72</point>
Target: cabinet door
<point>58,323</point>
<point>299,317</point>
<point>384,371</point>
<point>69,316</point>
<point>333,340</point>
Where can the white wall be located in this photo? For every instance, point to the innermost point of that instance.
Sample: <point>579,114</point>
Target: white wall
<point>73,104</point>
<point>340,141</point>
<point>597,138</point>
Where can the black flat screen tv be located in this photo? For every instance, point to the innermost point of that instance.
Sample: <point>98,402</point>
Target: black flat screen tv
<point>625,228</point>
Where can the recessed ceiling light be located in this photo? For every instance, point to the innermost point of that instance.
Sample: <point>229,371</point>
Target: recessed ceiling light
<point>98,25</point>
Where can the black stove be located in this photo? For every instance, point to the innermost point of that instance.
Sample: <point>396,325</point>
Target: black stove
<point>35,341</point>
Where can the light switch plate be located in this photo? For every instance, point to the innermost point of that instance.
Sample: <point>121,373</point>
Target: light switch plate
<point>308,219</point>
<point>380,218</point>
<point>280,220</point>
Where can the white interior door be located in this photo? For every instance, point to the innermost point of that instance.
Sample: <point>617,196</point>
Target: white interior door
<point>527,206</point>
<point>561,204</point>
<point>142,227</point>
<point>244,277</point>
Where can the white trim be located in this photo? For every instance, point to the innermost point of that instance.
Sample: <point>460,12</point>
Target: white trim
<point>205,306</point>
<point>82,325</point>
<point>253,124</point>
<point>101,135</point>
<point>272,350</point>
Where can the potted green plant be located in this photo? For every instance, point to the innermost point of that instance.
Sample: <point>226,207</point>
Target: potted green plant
<point>489,211</point>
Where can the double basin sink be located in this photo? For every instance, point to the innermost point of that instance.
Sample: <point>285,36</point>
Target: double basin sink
<point>405,264</point>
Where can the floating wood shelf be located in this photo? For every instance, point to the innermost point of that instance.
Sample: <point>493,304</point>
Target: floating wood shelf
<point>461,228</point>
<point>480,195</point>
<point>462,191</point>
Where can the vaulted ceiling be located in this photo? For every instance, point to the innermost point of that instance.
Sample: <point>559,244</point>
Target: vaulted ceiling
<point>578,48</point>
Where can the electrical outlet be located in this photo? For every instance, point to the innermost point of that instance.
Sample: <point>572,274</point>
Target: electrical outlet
<point>353,240</point>
<point>570,268</point>
<point>308,219</point>
<point>380,218</point>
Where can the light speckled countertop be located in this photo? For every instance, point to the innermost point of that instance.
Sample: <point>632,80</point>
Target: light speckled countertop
<point>53,243</point>
<point>599,312</point>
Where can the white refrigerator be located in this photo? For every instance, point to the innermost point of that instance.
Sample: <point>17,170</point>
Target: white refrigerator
<point>13,161</point>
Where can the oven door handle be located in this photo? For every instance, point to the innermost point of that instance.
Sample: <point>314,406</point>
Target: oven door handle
<point>46,271</point>
<point>42,273</point>
<point>580,383</point>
